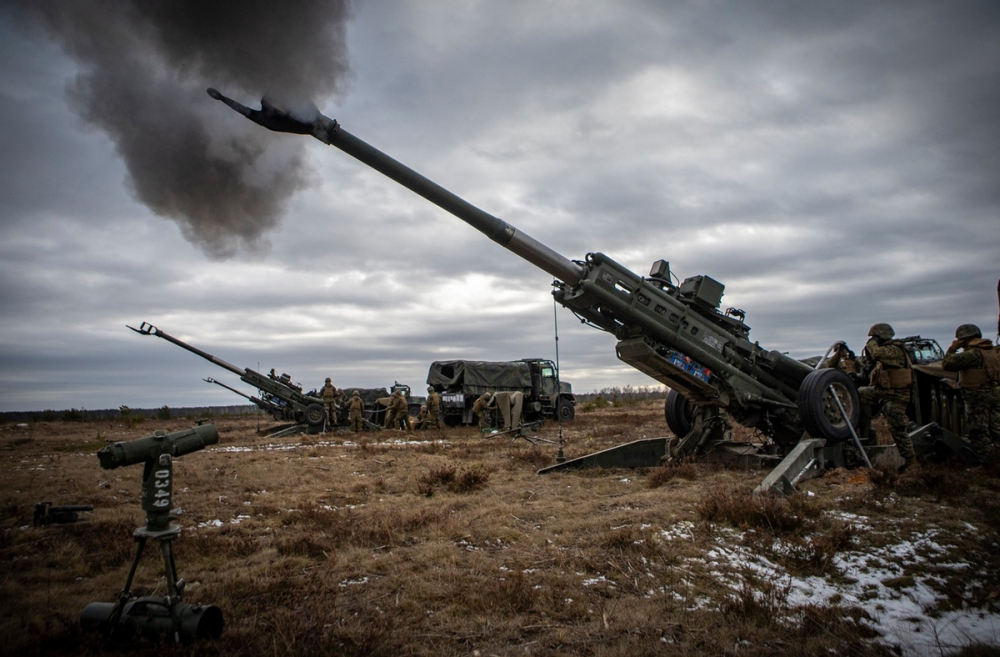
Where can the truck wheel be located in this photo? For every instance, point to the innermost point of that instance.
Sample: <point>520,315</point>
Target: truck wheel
<point>314,415</point>
<point>677,412</point>
<point>820,416</point>
<point>565,410</point>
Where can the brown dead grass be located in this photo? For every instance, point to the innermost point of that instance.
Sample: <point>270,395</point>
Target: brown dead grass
<point>448,543</point>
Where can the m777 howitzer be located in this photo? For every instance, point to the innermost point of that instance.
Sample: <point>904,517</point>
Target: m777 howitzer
<point>279,396</point>
<point>674,333</point>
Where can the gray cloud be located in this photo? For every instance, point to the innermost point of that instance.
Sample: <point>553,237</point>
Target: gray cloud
<point>143,70</point>
<point>832,164</point>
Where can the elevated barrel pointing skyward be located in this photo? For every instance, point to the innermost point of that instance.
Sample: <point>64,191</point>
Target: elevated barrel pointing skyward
<point>330,132</point>
<point>148,329</point>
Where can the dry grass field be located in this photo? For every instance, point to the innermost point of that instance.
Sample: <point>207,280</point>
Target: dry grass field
<point>449,544</point>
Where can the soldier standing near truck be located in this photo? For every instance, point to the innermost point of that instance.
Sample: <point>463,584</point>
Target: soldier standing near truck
<point>356,411</point>
<point>433,420</point>
<point>889,392</point>
<point>978,366</point>
<point>397,412</point>
<point>329,394</point>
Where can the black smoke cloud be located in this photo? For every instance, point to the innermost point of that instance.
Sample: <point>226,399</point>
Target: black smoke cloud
<point>144,67</point>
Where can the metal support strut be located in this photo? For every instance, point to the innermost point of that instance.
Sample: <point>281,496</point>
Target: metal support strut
<point>847,420</point>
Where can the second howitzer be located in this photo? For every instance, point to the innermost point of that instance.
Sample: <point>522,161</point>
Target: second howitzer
<point>279,396</point>
<point>675,333</point>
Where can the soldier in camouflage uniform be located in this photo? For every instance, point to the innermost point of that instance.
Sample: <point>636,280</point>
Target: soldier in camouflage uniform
<point>356,411</point>
<point>480,407</point>
<point>890,389</point>
<point>329,394</point>
<point>421,422</point>
<point>978,366</point>
<point>433,409</point>
<point>397,412</point>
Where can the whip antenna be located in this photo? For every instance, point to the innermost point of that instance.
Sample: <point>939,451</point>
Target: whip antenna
<point>560,457</point>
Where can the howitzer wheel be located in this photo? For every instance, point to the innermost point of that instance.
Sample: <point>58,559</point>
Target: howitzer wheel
<point>821,416</point>
<point>677,412</point>
<point>314,415</point>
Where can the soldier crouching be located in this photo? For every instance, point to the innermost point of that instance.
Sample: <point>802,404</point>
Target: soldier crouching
<point>480,408</point>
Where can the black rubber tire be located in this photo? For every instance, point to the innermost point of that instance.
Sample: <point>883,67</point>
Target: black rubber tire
<point>677,412</point>
<point>314,415</point>
<point>565,410</point>
<point>820,416</point>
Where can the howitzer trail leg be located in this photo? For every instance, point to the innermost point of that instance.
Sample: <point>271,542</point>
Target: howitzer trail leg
<point>805,460</point>
<point>847,419</point>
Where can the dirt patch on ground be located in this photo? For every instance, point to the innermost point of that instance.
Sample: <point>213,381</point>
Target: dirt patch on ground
<point>450,544</point>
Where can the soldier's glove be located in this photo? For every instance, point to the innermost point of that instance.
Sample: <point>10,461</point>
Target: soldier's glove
<point>955,346</point>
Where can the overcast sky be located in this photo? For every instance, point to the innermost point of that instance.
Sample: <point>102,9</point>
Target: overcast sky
<point>833,164</point>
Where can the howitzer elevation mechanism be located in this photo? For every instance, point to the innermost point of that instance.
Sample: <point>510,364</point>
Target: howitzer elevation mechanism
<point>674,333</point>
<point>279,396</point>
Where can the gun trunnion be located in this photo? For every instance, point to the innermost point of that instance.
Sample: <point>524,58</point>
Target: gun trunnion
<point>674,333</point>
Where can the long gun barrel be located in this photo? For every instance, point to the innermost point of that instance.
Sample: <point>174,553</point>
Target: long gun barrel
<point>330,132</point>
<point>148,329</point>
<point>675,334</point>
<point>260,403</point>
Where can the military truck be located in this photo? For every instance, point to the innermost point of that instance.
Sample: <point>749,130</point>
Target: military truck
<point>461,382</point>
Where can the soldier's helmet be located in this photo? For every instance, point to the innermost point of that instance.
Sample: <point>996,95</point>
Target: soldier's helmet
<point>430,388</point>
<point>882,331</point>
<point>355,394</point>
<point>487,396</point>
<point>968,331</point>
<point>328,379</point>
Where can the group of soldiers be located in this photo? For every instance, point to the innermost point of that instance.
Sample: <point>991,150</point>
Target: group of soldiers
<point>397,409</point>
<point>975,359</point>
<point>508,405</point>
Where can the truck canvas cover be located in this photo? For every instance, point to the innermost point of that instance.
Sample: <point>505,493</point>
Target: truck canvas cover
<point>368,395</point>
<point>478,374</point>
